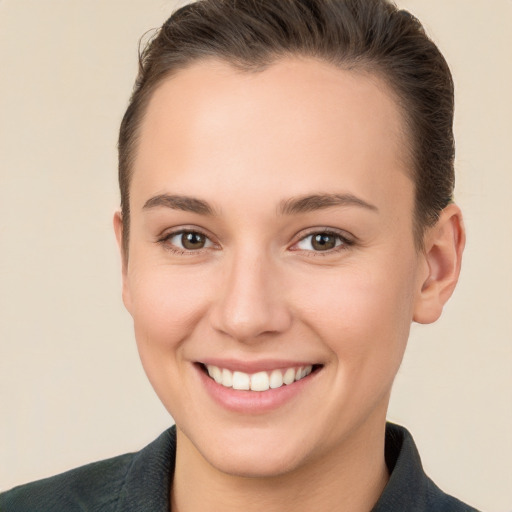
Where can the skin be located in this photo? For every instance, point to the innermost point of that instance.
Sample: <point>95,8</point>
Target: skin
<point>259,290</point>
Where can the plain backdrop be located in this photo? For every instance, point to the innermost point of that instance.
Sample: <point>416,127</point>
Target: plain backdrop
<point>72,389</point>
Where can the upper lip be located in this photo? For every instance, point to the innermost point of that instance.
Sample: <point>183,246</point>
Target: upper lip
<point>255,366</point>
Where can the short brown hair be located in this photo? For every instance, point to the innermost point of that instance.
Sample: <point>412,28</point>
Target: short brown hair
<point>370,35</point>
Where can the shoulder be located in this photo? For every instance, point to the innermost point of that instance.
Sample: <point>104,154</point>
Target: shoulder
<point>71,490</point>
<point>118,483</point>
<point>437,500</point>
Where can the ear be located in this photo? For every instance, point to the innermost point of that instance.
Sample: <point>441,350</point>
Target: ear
<point>444,244</point>
<point>118,230</point>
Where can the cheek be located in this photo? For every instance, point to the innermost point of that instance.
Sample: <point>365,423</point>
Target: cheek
<point>167,305</point>
<point>364,313</point>
<point>167,302</point>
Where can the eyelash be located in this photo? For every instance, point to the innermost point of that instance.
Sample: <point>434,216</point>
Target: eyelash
<point>165,241</point>
<point>343,246</point>
<point>345,242</point>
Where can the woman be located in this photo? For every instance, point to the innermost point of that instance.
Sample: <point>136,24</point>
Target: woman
<point>286,176</point>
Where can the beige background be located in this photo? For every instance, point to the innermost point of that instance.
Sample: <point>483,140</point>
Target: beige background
<point>71,386</point>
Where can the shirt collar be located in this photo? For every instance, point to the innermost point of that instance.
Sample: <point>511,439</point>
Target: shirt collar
<point>407,485</point>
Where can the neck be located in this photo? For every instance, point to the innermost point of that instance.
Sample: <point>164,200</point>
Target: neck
<point>350,478</point>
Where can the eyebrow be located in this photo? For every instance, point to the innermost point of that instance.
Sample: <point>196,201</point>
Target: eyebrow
<point>294,205</point>
<point>309,203</point>
<point>177,202</point>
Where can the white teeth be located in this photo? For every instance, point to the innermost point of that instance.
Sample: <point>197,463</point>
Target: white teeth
<point>289,376</point>
<point>241,380</point>
<point>227,378</point>
<point>276,379</point>
<point>260,381</point>
<point>215,373</point>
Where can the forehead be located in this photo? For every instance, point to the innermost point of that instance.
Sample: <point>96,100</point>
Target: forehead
<point>294,120</point>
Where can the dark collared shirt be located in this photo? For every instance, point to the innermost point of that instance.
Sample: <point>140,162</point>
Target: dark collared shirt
<point>140,482</point>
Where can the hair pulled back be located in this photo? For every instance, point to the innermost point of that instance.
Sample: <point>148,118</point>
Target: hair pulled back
<point>367,35</point>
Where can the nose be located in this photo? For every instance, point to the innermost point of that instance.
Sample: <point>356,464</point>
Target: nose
<point>252,300</point>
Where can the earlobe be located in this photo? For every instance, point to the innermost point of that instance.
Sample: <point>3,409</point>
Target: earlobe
<point>118,230</point>
<point>444,244</point>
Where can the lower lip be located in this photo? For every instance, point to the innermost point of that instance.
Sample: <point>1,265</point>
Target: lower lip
<point>253,402</point>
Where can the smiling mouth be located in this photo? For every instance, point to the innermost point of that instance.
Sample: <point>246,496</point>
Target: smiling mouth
<point>260,381</point>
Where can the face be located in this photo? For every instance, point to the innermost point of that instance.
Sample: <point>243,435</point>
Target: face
<point>272,274</point>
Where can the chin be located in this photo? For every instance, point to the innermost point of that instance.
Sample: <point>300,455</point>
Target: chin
<point>255,463</point>
<point>252,453</point>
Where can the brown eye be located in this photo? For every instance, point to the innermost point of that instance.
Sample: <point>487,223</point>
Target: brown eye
<point>323,241</point>
<point>183,241</point>
<point>192,241</point>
